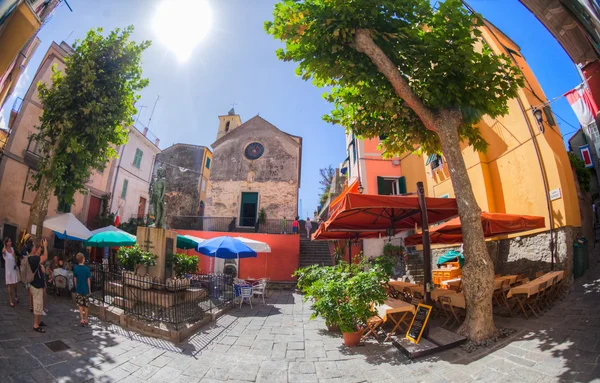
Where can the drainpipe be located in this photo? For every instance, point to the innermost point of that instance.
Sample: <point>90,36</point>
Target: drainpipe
<point>545,180</point>
<point>116,177</point>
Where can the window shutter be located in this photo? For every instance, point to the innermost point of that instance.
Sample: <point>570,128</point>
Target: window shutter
<point>208,162</point>
<point>402,184</point>
<point>549,115</point>
<point>124,190</point>
<point>380,185</point>
<point>137,161</point>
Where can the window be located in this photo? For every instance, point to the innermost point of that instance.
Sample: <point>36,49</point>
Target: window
<point>124,190</point>
<point>203,185</point>
<point>435,161</point>
<point>391,186</point>
<point>63,207</point>
<point>208,162</point>
<point>137,160</point>
<point>549,115</point>
<point>227,126</point>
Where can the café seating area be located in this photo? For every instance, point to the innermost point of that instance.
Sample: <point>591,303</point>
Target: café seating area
<point>246,289</point>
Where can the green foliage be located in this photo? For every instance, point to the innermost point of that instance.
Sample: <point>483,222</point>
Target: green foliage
<point>438,52</point>
<point>262,216</point>
<point>182,263</point>
<point>583,173</point>
<point>343,294</point>
<point>105,220</point>
<point>391,250</point>
<point>131,257</point>
<point>387,264</point>
<point>339,253</point>
<point>85,108</point>
<point>132,225</point>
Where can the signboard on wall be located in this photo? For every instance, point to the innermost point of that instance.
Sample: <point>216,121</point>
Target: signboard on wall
<point>555,194</point>
<point>586,156</point>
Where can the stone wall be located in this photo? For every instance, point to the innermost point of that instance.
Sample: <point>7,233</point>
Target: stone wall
<point>277,198</point>
<point>526,255</point>
<point>183,188</point>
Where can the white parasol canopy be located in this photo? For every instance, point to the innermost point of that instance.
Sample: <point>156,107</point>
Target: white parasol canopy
<point>67,226</point>
<point>107,228</point>
<point>258,246</point>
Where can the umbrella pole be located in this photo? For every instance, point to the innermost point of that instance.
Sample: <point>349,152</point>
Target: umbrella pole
<point>426,243</point>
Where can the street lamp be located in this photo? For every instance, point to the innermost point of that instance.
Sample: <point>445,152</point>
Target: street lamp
<point>390,231</point>
<point>539,117</point>
<point>361,189</point>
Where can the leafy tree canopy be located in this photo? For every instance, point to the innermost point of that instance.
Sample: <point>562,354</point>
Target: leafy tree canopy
<point>439,53</point>
<point>86,108</point>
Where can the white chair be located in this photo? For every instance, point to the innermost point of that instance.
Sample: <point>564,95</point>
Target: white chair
<point>260,289</point>
<point>246,295</point>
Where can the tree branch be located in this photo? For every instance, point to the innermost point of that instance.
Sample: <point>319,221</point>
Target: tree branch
<point>363,42</point>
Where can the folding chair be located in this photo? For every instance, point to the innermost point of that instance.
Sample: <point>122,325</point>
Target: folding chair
<point>519,280</point>
<point>417,298</point>
<point>530,302</point>
<point>407,294</point>
<point>500,295</point>
<point>373,324</point>
<point>449,311</point>
<point>539,274</point>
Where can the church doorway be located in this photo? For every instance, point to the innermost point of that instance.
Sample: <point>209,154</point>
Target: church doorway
<point>249,208</point>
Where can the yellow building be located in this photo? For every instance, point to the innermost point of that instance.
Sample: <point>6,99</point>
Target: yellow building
<point>525,169</point>
<point>20,21</point>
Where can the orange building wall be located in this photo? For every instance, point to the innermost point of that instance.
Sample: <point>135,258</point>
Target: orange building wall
<point>278,265</point>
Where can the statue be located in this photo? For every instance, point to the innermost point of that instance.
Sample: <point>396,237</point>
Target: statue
<point>157,197</point>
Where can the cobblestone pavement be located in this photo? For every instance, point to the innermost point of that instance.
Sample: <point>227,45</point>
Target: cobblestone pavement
<point>277,342</point>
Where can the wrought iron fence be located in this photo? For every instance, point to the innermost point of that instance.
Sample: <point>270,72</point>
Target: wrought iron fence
<point>183,301</point>
<point>192,222</point>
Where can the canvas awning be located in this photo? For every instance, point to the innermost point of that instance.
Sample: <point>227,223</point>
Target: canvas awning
<point>377,213</point>
<point>323,235</point>
<point>493,224</point>
<point>352,188</point>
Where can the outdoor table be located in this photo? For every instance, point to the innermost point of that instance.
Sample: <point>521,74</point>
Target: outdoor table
<point>498,281</point>
<point>400,285</point>
<point>451,282</point>
<point>396,310</point>
<point>436,293</point>
<point>532,287</point>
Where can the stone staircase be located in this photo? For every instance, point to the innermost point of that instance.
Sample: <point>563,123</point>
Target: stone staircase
<point>314,253</point>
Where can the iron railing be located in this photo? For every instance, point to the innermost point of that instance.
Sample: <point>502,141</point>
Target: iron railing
<point>191,222</point>
<point>153,301</point>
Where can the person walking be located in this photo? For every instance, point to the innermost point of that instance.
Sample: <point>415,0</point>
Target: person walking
<point>11,274</point>
<point>83,278</point>
<point>283,224</point>
<point>295,225</point>
<point>308,227</point>
<point>38,256</point>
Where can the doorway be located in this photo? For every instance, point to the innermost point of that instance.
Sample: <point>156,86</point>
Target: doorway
<point>248,210</point>
<point>94,212</point>
<point>141,208</point>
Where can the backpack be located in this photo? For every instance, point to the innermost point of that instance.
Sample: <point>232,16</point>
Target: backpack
<point>27,274</point>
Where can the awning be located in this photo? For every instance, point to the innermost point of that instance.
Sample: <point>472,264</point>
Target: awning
<point>323,235</point>
<point>431,158</point>
<point>352,188</point>
<point>377,213</point>
<point>493,224</point>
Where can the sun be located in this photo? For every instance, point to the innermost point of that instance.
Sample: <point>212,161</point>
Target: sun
<point>182,24</point>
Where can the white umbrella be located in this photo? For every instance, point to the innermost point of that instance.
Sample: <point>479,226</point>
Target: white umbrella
<point>258,246</point>
<point>67,226</point>
<point>107,228</point>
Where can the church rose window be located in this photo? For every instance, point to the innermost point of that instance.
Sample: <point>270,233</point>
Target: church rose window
<point>254,151</point>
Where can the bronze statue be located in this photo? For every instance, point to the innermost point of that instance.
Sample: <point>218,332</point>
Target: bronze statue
<point>157,199</point>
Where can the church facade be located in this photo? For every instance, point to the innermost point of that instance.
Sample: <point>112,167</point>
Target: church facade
<point>255,166</point>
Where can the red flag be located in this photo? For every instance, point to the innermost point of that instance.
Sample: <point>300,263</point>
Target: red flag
<point>117,221</point>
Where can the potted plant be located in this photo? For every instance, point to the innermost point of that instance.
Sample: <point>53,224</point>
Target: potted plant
<point>182,264</point>
<point>345,295</point>
<point>132,258</point>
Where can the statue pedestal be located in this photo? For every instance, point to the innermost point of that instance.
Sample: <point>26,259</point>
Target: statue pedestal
<point>160,242</point>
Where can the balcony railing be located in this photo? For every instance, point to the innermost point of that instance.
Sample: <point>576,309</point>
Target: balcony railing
<point>188,222</point>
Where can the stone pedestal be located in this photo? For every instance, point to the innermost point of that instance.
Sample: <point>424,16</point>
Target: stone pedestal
<point>160,242</point>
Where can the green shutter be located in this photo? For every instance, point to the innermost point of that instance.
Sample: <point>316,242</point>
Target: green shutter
<point>380,185</point>
<point>208,162</point>
<point>137,161</point>
<point>124,190</point>
<point>549,115</point>
<point>402,184</point>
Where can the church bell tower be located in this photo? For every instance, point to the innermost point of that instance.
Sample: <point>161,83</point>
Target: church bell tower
<point>228,122</point>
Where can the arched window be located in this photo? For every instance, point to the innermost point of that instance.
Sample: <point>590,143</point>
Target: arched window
<point>227,126</point>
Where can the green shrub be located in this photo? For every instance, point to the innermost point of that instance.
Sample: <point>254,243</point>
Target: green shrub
<point>183,264</point>
<point>131,257</point>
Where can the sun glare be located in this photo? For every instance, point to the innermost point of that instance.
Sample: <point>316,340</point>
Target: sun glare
<point>182,24</point>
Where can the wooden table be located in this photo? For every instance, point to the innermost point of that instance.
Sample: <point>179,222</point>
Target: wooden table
<point>436,293</point>
<point>395,310</point>
<point>532,287</point>
<point>452,282</point>
<point>400,285</point>
<point>498,281</point>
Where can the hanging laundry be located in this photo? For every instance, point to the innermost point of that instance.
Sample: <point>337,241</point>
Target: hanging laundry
<point>583,105</point>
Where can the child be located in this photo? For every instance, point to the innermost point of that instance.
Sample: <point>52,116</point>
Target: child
<point>295,226</point>
<point>82,276</point>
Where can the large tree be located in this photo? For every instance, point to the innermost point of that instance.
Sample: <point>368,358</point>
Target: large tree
<point>325,182</point>
<point>85,111</point>
<point>419,77</point>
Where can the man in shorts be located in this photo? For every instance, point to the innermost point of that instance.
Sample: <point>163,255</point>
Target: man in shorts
<point>83,280</point>
<point>38,284</point>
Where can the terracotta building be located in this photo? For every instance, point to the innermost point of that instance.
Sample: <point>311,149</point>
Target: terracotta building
<point>255,166</point>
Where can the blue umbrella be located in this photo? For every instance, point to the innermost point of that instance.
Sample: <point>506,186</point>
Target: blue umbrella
<point>225,248</point>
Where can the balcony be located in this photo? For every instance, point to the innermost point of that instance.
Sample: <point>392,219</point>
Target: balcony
<point>32,155</point>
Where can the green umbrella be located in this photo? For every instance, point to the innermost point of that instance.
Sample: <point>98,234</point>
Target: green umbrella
<point>451,256</point>
<point>186,242</point>
<point>111,239</point>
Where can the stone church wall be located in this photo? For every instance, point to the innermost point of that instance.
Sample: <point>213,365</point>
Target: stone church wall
<point>277,198</point>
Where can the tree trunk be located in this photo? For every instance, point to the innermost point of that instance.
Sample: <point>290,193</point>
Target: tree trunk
<point>478,271</point>
<point>39,208</point>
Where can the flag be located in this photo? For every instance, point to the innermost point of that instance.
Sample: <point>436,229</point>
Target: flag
<point>583,105</point>
<point>117,220</point>
<point>586,156</point>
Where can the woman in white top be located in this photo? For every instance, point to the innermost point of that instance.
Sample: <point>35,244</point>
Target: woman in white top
<point>11,271</point>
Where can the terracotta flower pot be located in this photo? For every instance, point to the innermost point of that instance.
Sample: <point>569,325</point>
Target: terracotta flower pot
<point>352,339</point>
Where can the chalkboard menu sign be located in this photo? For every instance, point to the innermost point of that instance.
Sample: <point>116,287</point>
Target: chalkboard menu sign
<point>415,330</point>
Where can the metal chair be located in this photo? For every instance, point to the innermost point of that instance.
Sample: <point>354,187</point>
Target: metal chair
<point>260,289</point>
<point>246,295</point>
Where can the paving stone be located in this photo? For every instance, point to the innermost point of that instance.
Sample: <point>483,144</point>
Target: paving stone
<point>272,376</point>
<point>165,374</point>
<point>146,372</point>
<point>302,368</point>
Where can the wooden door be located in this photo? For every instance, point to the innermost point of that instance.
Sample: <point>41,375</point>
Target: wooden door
<point>142,208</point>
<point>93,211</point>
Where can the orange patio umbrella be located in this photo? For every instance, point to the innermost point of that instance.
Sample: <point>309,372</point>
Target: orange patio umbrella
<point>323,235</point>
<point>382,213</point>
<point>493,224</point>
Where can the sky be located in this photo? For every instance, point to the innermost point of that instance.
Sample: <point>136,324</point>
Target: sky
<point>235,62</point>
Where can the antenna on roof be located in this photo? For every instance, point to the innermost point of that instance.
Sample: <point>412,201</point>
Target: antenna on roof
<point>152,114</point>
